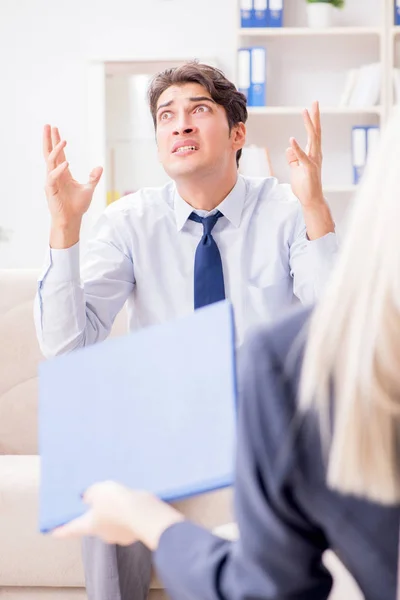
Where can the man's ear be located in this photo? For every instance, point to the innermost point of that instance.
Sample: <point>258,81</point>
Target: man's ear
<point>238,135</point>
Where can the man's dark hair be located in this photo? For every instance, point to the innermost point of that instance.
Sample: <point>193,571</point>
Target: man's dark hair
<point>221,90</point>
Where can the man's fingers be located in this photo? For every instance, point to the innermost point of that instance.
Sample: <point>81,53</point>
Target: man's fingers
<point>82,526</point>
<point>47,144</point>
<point>291,157</point>
<point>53,159</point>
<point>54,175</point>
<point>299,153</point>
<point>313,143</point>
<point>55,138</point>
<point>316,118</point>
<point>94,176</point>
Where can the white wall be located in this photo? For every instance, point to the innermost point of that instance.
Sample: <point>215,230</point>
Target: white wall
<point>45,46</point>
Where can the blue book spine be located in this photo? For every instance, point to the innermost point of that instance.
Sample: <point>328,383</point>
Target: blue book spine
<point>260,13</point>
<point>275,13</point>
<point>373,135</point>
<point>244,61</point>
<point>246,13</point>
<point>257,94</point>
<point>397,12</point>
<point>359,152</point>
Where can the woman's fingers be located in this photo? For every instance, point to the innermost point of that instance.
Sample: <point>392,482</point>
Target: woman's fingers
<point>82,526</point>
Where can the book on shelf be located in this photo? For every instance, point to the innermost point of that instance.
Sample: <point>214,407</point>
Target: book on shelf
<point>362,86</point>
<point>397,12</point>
<point>275,13</point>
<point>364,144</point>
<point>246,13</point>
<point>252,74</point>
<point>396,84</point>
<point>261,13</point>
<point>244,59</point>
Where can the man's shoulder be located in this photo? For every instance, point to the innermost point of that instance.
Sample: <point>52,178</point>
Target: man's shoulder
<point>268,191</point>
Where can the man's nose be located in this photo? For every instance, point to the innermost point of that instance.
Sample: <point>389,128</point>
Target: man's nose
<point>184,125</point>
<point>183,131</point>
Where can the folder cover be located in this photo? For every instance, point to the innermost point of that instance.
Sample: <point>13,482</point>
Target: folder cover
<point>275,13</point>
<point>246,13</point>
<point>359,152</point>
<point>260,13</point>
<point>153,410</point>
<point>257,93</point>
<point>244,68</point>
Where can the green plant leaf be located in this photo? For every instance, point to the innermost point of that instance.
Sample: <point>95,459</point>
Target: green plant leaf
<point>335,3</point>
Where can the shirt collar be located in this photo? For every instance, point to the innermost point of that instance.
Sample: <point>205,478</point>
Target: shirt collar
<point>231,207</point>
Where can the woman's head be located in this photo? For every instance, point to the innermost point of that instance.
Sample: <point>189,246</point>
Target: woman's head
<point>354,339</point>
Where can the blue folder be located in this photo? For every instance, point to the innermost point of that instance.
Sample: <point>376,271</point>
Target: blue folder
<point>153,410</point>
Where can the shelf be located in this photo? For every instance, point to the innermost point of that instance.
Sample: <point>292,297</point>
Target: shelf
<point>325,110</point>
<point>308,32</point>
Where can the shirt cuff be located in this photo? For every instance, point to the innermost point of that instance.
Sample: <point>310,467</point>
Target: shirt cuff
<point>61,265</point>
<point>327,243</point>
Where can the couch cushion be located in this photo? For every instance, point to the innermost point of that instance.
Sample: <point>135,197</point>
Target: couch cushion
<point>19,359</point>
<point>58,594</point>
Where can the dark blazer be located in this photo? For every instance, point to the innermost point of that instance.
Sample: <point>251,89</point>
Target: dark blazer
<point>287,516</point>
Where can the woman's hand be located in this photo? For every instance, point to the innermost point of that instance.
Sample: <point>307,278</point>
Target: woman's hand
<point>122,516</point>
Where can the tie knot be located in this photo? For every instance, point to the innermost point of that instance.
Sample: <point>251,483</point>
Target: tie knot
<point>208,222</point>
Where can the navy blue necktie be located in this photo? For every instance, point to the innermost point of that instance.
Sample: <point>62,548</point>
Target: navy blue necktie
<point>208,275</point>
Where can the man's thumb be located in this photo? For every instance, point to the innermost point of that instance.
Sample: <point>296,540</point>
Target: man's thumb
<point>291,158</point>
<point>95,175</point>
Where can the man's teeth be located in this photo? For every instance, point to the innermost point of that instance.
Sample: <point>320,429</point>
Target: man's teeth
<point>183,148</point>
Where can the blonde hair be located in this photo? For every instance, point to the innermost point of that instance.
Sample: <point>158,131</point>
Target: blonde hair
<point>353,347</point>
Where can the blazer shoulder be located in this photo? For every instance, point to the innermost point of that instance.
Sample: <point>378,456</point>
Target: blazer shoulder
<point>285,338</point>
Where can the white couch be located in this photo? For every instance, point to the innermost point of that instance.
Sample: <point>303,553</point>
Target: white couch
<point>33,566</point>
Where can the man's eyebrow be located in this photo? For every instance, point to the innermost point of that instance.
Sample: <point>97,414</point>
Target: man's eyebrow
<point>201,99</point>
<point>165,104</point>
<point>191,99</point>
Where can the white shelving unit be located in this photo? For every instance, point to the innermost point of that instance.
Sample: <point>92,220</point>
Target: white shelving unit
<point>311,64</point>
<point>393,53</point>
<point>324,110</point>
<point>268,32</point>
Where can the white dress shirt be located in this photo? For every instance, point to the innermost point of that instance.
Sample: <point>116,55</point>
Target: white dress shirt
<point>143,255</point>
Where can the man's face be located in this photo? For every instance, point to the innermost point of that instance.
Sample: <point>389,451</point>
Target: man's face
<point>192,133</point>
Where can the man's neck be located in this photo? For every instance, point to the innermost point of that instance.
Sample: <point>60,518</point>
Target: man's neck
<point>207,192</point>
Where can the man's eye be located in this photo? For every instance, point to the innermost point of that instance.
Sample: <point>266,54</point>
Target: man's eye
<point>165,115</point>
<point>201,108</point>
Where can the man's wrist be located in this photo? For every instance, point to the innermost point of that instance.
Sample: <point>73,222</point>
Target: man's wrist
<point>64,235</point>
<point>318,219</point>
